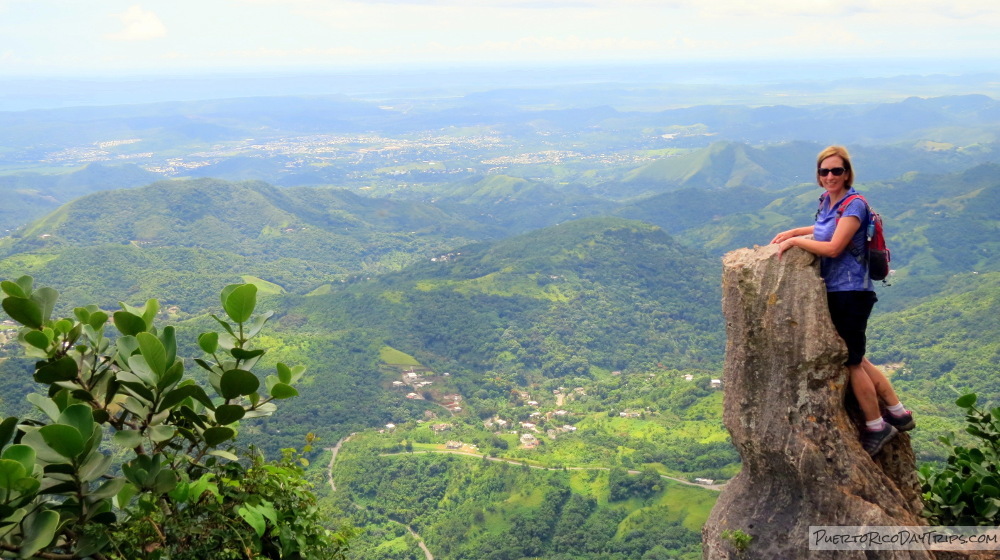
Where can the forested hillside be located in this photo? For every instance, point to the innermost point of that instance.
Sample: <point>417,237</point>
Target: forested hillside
<point>518,315</point>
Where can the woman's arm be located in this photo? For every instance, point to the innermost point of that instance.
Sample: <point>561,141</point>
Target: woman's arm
<point>796,232</point>
<point>846,228</point>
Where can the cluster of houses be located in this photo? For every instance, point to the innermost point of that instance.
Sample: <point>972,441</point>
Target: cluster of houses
<point>713,383</point>
<point>446,257</point>
<point>416,381</point>
<point>529,430</point>
<point>8,334</point>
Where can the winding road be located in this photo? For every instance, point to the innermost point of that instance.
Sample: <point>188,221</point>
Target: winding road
<point>334,451</point>
<point>420,541</point>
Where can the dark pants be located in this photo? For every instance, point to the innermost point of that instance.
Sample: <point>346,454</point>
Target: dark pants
<point>850,312</point>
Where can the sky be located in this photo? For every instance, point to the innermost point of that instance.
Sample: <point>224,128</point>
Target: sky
<point>162,37</point>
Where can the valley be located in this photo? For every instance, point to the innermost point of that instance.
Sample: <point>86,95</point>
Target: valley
<point>508,311</point>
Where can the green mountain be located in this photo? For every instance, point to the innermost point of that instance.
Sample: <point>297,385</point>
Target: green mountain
<point>574,301</point>
<point>515,204</point>
<point>199,234</point>
<point>599,317</point>
<point>28,196</point>
<point>598,292</point>
<point>725,165</point>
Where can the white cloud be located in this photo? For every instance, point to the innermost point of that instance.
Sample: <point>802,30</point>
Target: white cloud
<point>139,25</point>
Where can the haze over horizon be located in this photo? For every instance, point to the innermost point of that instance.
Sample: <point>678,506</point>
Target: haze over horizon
<point>155,37</point>
<point>59,53</point>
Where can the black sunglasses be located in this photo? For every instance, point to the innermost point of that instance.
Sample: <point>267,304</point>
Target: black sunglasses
<point>837,171</point>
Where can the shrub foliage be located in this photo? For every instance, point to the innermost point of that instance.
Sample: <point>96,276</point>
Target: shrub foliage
<point>130,457</point>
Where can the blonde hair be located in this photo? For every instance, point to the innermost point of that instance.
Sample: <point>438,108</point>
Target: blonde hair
<point>837,151</point>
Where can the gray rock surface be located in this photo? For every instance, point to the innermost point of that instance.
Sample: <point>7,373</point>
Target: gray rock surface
<point>785,389</point>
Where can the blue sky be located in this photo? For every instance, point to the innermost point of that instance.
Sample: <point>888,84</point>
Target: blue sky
<point>57,37</point>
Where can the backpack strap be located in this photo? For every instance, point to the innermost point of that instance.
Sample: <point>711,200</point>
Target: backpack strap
<point>861,255</point>
<point>848,200</point>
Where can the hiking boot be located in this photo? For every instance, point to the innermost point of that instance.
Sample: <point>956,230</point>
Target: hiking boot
<point>902,423</point>
<point>873,441</point>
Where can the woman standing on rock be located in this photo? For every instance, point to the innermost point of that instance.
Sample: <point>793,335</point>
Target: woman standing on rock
<point>837,236</point>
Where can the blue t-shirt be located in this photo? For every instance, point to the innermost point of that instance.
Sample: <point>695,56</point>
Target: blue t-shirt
<point>849,271</point>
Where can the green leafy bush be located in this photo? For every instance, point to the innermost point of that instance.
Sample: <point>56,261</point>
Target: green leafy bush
<point>966,490</point>
<point>178,488</point>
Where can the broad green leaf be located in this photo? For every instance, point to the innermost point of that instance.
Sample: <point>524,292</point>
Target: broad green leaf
<point>254,519</point>
<point>160,433</point>
<point>11,472</point>
<point>169,340</point>
<point>966,401</point>
<point>108,489</point>
<point>63,326</point>
<point>205,365</point>
<point>270,381</point>
<point>125,495</point>
<point>172,376</point>
<point>225,325</point>
<point>14,290</point>
<point>24,311</point>
<point>127,345</point>
<point>95,467</point>
<point>45,404</point>
<point>62,399</point>
<point>28,486</point>
<point>175,397</point>
<point>193,391</point>
<point>192,416</point>
<point>97,320</point>
<point>43,452</point>
<point>128,323</point>
<point>241,354</point>
<point>216,435</point>
<point>64,440</point>
<point>7,428</point>
<point>236,383</point>
<point>204,484</point>
<point>258,323</point>
<point>79,416</point>
<point>224,454</point>
<point>265,409</point>
<point>26,283</point>
<point>239,301</point>
<point>154,353</point>
<point>266,509</point>
<point>46,298</point>
<point>128,439</point>
<point>284,373</point>
<point>209,342</point>
<point>149,311</point>
<point>37,339</point>
<point>136,387</point>
<point>229,413</point>
<point>39,532</point>
<point>283,391</point>
<point>141,369</point>
<point>63,369</point>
